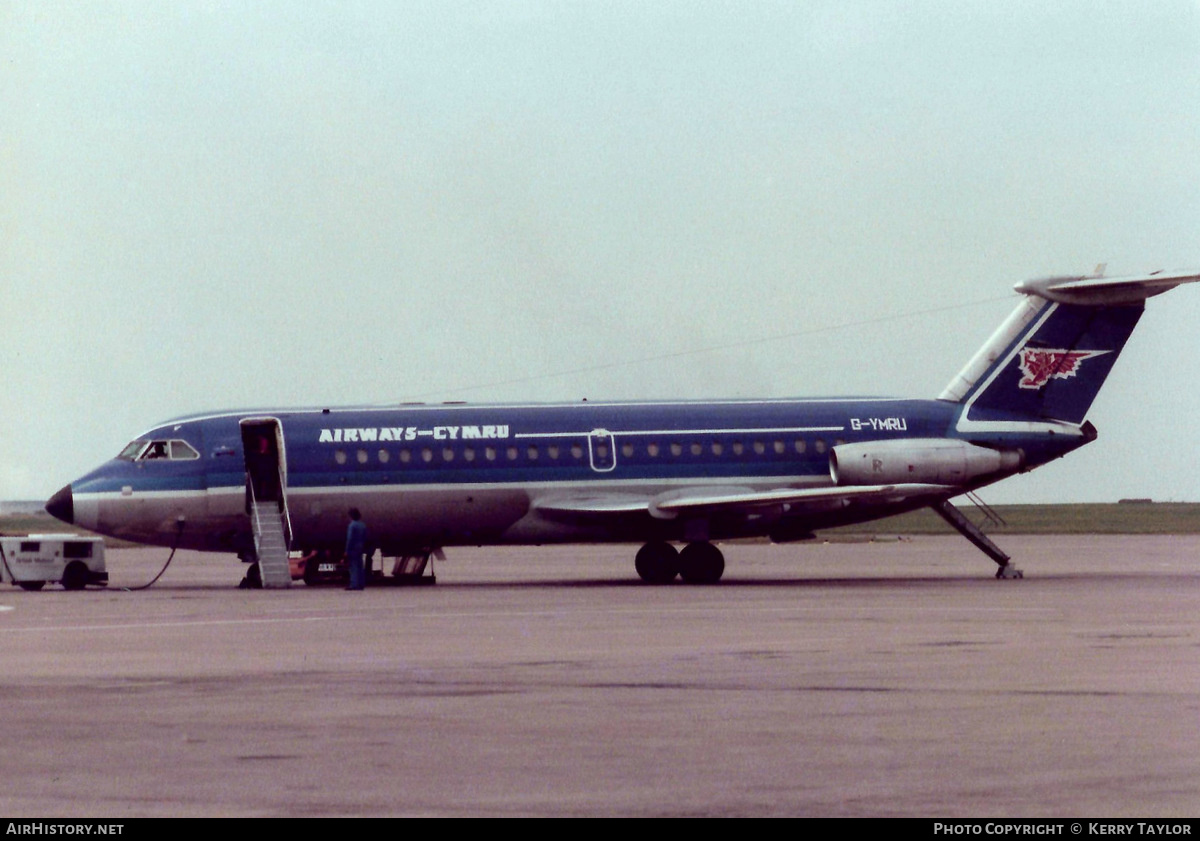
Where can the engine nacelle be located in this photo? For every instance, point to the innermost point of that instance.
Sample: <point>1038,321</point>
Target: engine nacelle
<point>936,461</point>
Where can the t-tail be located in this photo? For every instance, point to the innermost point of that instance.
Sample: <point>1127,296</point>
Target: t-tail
<point>1047,362</point>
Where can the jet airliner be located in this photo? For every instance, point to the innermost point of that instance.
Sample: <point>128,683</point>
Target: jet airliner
<point>425,477</point>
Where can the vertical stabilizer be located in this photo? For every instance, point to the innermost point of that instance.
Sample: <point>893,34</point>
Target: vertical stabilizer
<point>1049,359</point>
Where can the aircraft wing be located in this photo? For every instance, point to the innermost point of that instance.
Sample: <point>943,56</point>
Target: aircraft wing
<point>798,498</point>
<point>714,500</point>
<point>598,504</point>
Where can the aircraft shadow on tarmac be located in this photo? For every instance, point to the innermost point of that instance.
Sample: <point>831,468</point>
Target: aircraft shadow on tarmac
<point>887,582</point>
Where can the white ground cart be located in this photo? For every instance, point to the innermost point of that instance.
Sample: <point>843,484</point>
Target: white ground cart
<point>29,561</point>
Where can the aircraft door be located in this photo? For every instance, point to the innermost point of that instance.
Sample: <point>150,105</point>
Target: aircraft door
<point>261,442</point>
<point>602,450</point>
<point>266,464</point>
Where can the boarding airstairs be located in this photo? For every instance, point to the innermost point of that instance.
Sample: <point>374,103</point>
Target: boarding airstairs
<point>270,545</point>
<point>266,498</point>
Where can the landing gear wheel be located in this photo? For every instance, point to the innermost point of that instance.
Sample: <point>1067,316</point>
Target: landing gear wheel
<point>253,579</point>
<point>701,563</point>
<point>312,570</point>
<point>657,563</point>
<point>31,585</point>
<point>75,576</point>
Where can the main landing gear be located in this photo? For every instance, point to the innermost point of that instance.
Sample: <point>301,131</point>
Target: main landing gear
<point>698,563</point>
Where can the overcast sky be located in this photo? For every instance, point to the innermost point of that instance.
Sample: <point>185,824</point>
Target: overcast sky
<point>210,205</point>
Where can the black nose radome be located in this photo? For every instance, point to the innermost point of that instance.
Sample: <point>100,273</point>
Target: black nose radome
<point>62,505</point>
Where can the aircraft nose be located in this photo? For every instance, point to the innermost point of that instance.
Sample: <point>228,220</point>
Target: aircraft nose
<point>62,505</point>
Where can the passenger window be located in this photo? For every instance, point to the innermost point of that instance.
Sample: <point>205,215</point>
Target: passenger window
<point>696,449</point>
<point>447,454</point>
<point>552,451</point>
<point>339,456</point>
<point>759,447</point>
<point>426,455</point>
<point>800,445</point>
<point>676,449</point>
<point>738,448</point>
<point>362,456</point>
<point>717,448</point>
<point>779,448</point>
<point>627,450</point>
<point>532,452</point>
<point>819,446</point>
<point>405,456</point>
<point>652,450</point>
<point>384,456</point>
<point>469,454</point>
<point>489,453</point>
<point>577,451</point>
<point>512,453</point>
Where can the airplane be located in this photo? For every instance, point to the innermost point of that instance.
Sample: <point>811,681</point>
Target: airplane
<point>425,477</point>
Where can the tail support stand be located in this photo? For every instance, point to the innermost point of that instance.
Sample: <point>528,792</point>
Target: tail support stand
<point>972,533</point>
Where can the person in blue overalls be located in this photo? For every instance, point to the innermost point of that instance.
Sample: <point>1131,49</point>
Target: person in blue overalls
<point>356,542</point>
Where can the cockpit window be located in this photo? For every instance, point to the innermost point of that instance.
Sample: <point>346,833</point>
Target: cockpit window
<point>182,450</point>
<point>157,449</point>
<point>173,450</point>
<point>132,449</point>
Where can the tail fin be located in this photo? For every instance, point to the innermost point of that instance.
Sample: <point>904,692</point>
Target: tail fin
<point>1050,358</point>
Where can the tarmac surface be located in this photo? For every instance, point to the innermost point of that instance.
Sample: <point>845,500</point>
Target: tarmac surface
<point>881,679</point>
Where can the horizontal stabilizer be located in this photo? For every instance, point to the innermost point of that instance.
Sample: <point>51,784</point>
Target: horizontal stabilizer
<point>1105,291</point>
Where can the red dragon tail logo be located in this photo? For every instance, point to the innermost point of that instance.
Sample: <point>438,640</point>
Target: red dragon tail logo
<point>1040,365</point>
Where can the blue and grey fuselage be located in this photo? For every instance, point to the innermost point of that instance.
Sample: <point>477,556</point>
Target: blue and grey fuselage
<point>429,476</point>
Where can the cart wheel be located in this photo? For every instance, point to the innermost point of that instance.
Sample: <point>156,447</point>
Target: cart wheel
<point>75,576</point>
<point>312,570</point>
<point>31,585</point>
